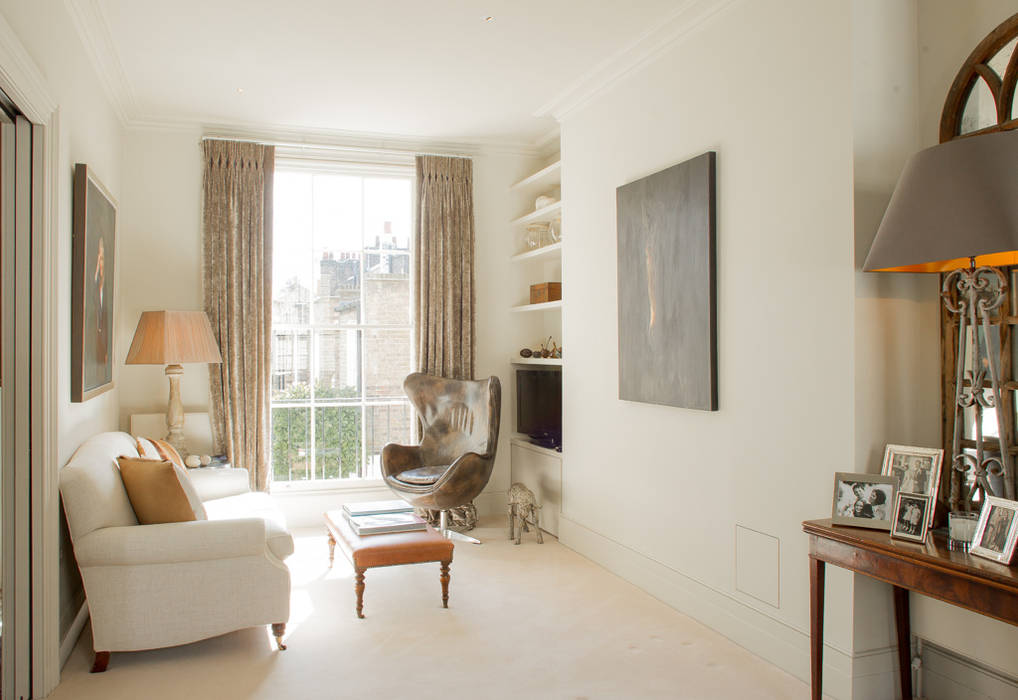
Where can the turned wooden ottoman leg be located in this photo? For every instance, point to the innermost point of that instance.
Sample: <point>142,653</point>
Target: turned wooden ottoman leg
<point>359,587</point>
<point>332,549</point>
<point>444,577</point>
<point>102,660</point>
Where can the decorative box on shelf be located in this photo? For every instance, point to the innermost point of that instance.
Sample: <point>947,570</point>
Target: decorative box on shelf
<point>545,292</point>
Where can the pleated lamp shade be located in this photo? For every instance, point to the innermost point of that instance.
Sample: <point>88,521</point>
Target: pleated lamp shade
<point>173,338</point>
<point>953,202</point>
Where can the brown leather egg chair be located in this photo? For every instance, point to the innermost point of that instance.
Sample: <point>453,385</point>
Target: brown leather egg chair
<point>453,463</point>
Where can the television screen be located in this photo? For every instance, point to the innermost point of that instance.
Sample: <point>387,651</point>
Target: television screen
<point>539,402</point>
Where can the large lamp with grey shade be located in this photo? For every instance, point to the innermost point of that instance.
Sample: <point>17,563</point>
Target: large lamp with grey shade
<point>955,210</point>
<point>174,338</point>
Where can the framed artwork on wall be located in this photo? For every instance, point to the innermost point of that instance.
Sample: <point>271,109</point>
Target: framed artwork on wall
<point>93,272</point>
<point>667,301</point>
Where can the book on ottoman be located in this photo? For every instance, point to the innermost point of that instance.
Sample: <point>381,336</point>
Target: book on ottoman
<point>377,507</point>
<point>385,522</point>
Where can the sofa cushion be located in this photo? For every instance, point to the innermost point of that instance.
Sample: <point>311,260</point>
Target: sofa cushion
<point>422,476</point>
<point>156,492</point>
<point>255,505</point>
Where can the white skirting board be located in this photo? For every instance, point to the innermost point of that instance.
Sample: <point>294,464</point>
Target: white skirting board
<point>71,638</point>
<point>773,640</point>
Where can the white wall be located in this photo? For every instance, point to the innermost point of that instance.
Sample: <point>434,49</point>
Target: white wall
<point>162,254</point>
<point>89,132</point>
<point>656,493</point>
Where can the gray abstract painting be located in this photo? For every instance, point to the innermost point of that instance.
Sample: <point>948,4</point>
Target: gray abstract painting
<point>667,299</point>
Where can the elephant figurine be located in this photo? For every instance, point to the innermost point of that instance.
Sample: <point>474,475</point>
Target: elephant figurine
<point>523,513</point>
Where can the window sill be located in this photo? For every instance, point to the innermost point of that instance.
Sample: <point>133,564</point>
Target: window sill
<point>287,488</point>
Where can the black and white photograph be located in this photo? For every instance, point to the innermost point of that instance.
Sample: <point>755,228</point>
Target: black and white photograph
<point>915,469</point>
<point>997,530</point>
<point>911,517</point>
<point>863,500</point>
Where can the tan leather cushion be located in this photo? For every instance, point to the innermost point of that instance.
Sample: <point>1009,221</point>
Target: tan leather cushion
<point>155,491</point>
<point>423,476</point>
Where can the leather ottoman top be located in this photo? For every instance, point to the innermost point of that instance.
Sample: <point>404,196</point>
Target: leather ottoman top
<point>388,549</point>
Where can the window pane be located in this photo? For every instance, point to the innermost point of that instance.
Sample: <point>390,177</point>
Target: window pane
<point>386,363</point>
<point>384,424</point>
<point>337,249</point>
<point>387,288</point>
<point>291,365</point>
<point>387,213</point>
<point>338,366</point>
<point>292,229</point>
<point>291,437</point>
<point>337,442</point>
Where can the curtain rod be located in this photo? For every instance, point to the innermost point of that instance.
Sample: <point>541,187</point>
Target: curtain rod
<point>331,147</point>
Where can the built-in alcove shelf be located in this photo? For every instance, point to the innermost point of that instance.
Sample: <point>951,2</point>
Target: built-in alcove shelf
<point>536,361</point>
<point>548,213</point>
<point>549,175</point>
<point>538,307</point>
<point>538,252</point>
<point>524,441</point>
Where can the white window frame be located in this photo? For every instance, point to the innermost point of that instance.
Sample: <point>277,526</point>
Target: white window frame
<point>316,161</point>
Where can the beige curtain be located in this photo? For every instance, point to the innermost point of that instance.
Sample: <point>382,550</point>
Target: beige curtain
<point>444,254</point>
<point>237,220</point>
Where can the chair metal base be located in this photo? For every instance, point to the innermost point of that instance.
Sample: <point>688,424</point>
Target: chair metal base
<point>443,526</point>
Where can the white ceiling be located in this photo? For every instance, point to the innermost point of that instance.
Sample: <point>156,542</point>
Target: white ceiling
<point>426,69</point>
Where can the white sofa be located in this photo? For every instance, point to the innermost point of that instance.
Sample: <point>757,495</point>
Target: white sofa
<point>151,586</point>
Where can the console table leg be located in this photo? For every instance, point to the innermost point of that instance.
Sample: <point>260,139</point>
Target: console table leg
<point>444,578</point>
<point>816,627</point>
<point>903,625</point>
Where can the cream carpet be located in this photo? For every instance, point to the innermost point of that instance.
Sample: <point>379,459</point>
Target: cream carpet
<point>533,621</point>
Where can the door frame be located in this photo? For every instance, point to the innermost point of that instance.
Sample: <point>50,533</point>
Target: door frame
<point>24,83</point>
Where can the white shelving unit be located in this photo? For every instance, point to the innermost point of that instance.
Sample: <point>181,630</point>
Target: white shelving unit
<point>553,249</point>
<point>539,468</point>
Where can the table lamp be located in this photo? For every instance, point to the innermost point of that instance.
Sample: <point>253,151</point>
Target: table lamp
<point>173,338</point>
<point>955,210</point>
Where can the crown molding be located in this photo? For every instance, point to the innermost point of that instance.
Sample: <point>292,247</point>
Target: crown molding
<point>333,139</point>
<point>21,79</point>
<point>94,32</point>
<point>688,16</point>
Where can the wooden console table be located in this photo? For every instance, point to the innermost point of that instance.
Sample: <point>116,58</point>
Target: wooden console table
<point>932,569</point>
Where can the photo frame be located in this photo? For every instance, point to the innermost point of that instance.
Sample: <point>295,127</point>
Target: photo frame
<point>863,500</point>
<point>916,470</point>
<point>997,530</point>
<point>93,276</point>
<point>911,517</point>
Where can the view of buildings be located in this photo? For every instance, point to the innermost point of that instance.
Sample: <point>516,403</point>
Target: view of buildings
<point>340,353</point>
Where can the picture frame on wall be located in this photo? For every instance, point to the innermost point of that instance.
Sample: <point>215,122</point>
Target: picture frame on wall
<point>916,470</point>
<point>997,530</point>
<point>863,500</point>
<point>911,517</point>
<point>93,276</point>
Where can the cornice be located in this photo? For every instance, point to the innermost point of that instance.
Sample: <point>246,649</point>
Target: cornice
<point>94,32</point>
<point>688,16</point>
<point>336,139</point>
<point>22,79</point>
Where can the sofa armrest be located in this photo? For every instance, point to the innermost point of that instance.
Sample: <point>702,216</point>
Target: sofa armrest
<point>196,540</point>
<point>215,482</point>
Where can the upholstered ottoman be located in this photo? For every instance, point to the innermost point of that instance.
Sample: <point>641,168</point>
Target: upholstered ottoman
<point>393,549</point>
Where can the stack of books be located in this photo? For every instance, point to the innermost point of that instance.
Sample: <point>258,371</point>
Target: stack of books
<point>378,517</point>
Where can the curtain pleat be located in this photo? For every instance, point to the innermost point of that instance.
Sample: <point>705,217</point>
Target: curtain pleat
<point>237,221</point>
<point>444,257</point>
